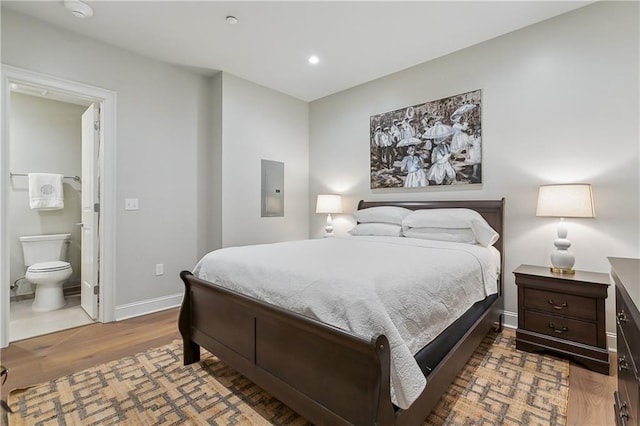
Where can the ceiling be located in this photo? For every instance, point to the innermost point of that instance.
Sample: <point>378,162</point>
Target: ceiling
<point>356,41</point>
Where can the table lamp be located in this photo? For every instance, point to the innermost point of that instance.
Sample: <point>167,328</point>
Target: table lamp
<point>329,203</point>
<point>565,200</point>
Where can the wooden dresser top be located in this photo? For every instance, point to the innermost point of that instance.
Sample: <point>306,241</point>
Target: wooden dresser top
<point>628,272</point>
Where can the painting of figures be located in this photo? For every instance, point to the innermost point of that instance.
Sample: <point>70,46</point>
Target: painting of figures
<point>436,143</point>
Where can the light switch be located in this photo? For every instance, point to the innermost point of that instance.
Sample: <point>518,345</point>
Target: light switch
<point>131,204</point>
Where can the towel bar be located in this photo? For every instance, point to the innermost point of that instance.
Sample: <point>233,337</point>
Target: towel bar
<point>74,178</point>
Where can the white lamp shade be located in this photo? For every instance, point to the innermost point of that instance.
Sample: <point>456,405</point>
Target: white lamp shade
<point>329,203</point>
<point>567,200</point>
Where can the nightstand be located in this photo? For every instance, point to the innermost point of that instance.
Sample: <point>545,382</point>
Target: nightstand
<point>564,314</point>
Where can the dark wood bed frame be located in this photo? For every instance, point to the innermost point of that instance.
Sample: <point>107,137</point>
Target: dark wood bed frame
<point>326,374</point>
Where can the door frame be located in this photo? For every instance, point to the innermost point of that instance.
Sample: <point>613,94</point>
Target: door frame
<point>107,165</point>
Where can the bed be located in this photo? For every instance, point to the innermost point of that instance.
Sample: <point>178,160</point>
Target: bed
<point>328,374</point>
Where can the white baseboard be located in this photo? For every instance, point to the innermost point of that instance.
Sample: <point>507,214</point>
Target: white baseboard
<point>136,309</point>
<point>510,320</point>
<point>612,342</point>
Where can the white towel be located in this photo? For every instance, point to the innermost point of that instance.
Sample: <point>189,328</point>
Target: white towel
<point>45,191</point>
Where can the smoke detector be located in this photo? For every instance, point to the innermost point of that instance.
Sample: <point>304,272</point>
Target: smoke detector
<point>78,9</point>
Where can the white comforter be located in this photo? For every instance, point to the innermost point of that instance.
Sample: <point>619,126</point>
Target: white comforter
<point>408,289</point>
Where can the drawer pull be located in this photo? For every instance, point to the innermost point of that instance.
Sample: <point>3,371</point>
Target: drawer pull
<point>556,306</point>
<point>622,412</point>
<point>622,363</point>
<point>622,317</point>
<point>557,330</point>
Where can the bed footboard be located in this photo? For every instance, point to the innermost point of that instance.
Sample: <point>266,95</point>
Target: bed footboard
<point>324,373</point>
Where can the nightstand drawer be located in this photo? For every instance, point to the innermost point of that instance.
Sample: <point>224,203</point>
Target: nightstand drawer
<point>562,328</point>
<point>561,304</point>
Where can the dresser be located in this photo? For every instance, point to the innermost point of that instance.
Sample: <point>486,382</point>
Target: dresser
<point>564,314</point>
<point>626,276</point>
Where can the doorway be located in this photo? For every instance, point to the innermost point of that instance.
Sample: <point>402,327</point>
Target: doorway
<point>93,185</point>
<point>52,133</point>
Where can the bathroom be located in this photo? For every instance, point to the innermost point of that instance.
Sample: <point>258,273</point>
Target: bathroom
<point>45,137</point>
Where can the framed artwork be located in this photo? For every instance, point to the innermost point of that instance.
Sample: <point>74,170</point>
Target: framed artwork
<point>436,143</point>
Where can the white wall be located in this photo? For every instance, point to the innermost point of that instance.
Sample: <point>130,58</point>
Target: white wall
<point>259,123</point>
<point>560,104</point>
<point>188,147</point>
<point>162,126</point>
<point>45,137</point>
<point>211,164</point>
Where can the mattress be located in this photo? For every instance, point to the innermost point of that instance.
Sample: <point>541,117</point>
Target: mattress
<point>408,289</point>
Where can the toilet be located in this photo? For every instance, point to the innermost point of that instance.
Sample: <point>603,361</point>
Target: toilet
<point>45,258</point>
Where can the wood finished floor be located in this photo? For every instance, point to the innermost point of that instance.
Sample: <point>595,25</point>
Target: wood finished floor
<point>54,355</point>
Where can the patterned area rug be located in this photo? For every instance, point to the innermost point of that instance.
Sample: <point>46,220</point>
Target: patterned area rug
<point>499,385</point>
<point>503,386</point>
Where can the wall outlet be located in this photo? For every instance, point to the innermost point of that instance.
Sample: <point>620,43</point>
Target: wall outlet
<point>159,269</point>
<point>131,204</point>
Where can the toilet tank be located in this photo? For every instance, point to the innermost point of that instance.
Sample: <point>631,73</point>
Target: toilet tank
<point>45,248</point>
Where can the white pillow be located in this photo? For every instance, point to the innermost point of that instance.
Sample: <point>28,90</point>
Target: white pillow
<point>452,219</point>
<point>378,229</point>
<point>456,235</point>
<point>382,214</point>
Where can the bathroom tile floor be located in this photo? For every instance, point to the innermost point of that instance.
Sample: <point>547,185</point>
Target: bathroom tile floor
<point>25,322</point>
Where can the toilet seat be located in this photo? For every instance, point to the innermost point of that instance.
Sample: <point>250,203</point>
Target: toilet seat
<point>48,277</point>
<point>47,267</point>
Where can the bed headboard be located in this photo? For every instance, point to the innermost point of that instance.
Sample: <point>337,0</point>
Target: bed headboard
<point>491,210</point>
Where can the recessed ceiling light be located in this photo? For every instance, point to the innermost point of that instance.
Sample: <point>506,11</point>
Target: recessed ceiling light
<point>313,59</point>
<point>78,9</point>
<point>231,20</point>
